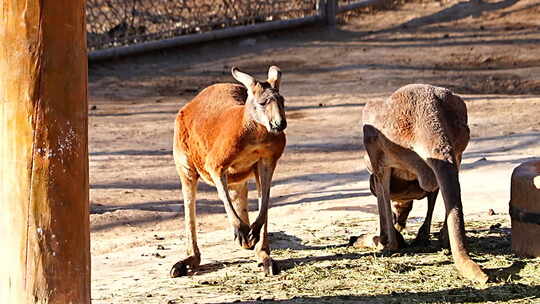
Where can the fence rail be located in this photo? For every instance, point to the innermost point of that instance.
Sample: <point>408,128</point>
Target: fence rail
<point>125,27</point>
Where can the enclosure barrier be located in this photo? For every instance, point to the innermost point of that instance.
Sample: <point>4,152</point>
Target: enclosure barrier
<point>118,28</point>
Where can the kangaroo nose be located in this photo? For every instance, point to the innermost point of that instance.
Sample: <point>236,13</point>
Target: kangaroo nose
<point>279,126</point>
<point>283,125</point>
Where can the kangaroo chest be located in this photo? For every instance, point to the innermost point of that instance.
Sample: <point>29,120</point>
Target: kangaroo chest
<point>242,166</point>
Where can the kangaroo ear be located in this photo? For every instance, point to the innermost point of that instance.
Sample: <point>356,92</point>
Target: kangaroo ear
<point>245,79</point>
<point>274,77</point>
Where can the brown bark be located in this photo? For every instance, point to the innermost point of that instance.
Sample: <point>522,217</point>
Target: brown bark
<point>44,225</point>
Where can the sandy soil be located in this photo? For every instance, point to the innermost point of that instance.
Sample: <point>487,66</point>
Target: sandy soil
<point>485,51</point>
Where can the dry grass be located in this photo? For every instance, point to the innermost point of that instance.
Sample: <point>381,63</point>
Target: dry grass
<point>339,274</point>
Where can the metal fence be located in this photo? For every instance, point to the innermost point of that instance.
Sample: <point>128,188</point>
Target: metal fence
<point>113,23</point>
<point>121,27</point>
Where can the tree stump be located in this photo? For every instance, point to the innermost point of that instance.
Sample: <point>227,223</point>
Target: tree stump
<point>525,209</point>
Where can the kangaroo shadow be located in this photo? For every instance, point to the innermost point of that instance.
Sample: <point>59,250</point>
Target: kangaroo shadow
<point>215,266</point>
<point>282,240</point>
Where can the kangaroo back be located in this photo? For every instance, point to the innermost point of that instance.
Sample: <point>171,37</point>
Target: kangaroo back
<point>428,119</point>
<point>211,103</point>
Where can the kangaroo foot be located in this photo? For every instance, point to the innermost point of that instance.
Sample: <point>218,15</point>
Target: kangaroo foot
<point>366,241</point>
<point>376,242</point>
<point>443,238</point>
<point>470,270</point>
<point>400,242</point>
<point>421,242</point>
<point>182,267</point>
<point>270,267</point>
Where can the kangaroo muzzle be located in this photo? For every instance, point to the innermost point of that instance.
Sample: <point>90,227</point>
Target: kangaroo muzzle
<point>278,125</point>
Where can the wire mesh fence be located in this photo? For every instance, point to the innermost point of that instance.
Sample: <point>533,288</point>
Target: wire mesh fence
<point>115,23</point>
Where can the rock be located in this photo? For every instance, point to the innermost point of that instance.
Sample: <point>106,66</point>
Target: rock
<point>496,226</point>
<point>486,59</point>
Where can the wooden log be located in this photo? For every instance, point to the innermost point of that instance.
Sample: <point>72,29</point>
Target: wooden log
<point>44,224</point>
<point>525,209</point>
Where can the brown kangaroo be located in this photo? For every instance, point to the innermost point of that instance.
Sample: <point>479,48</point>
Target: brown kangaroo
<point>225,135</point>
<point>417,137</point>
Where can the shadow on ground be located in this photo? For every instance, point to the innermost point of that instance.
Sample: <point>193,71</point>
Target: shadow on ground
<point>507,292</point>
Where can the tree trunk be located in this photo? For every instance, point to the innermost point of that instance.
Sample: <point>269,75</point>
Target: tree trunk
<point>44,225</point>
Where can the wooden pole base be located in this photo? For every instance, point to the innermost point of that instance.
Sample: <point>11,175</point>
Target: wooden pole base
<point>525,209</point>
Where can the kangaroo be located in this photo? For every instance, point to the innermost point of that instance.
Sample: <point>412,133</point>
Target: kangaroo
<point>417,137</point>
<point>227,134</point>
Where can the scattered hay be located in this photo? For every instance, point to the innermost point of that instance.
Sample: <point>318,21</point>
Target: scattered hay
<point>340,274</point>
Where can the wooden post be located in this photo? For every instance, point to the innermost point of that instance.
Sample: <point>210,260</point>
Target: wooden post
<point>44,224</point>
<point>331,12</point>
<point>321,9</point>
<point>525,209</point>
<point>327,10</point>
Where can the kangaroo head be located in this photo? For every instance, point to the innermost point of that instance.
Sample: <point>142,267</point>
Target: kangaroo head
<point>264,103</point>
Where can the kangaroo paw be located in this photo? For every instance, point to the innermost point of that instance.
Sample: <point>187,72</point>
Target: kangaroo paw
<point>470,270</point>
<point>270,267</point>
<point>366,241</point>
<point>182,267</point>
<point>241,236</point>
<point>420,242</point>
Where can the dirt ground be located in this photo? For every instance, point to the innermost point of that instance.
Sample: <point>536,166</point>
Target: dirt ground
<point>488,52</point>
